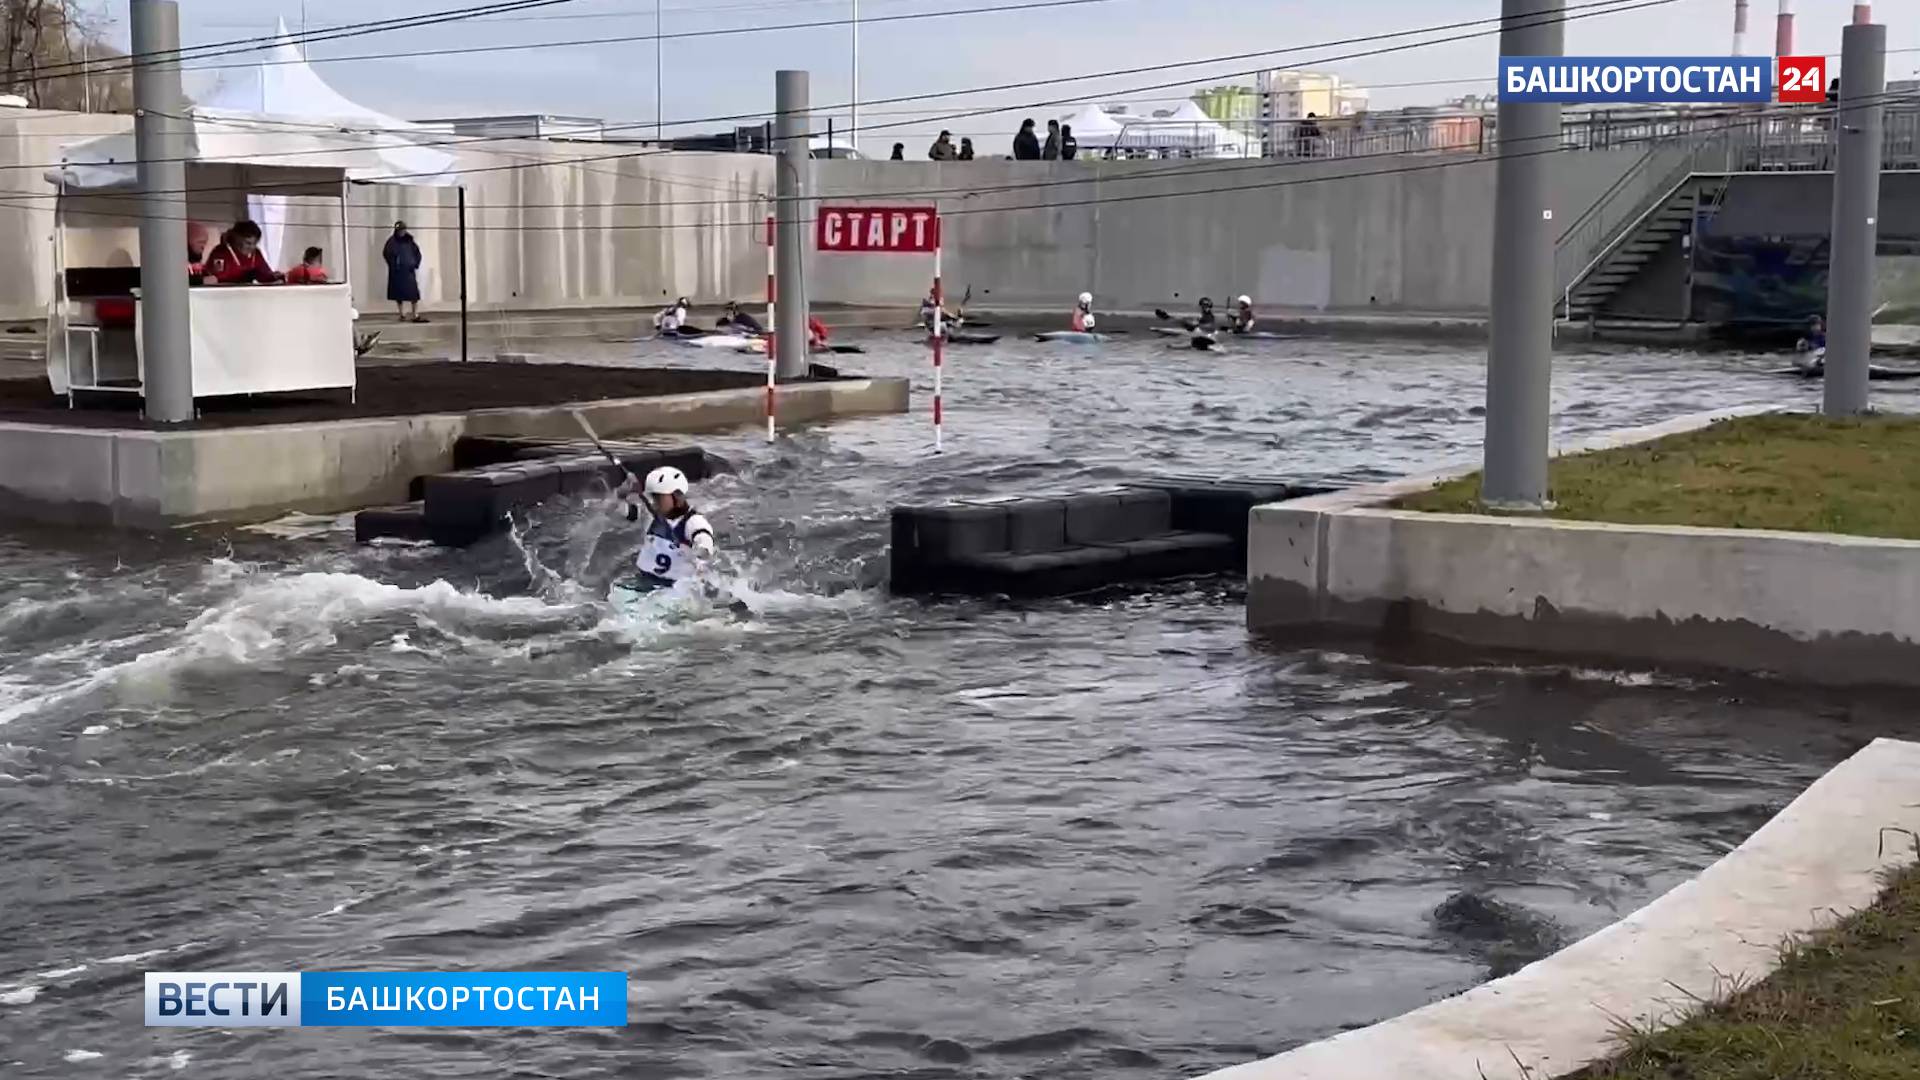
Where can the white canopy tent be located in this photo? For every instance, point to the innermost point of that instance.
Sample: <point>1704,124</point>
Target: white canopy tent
<point>309,142</point>
<point>1186,131</point>
<point>1093,129</point>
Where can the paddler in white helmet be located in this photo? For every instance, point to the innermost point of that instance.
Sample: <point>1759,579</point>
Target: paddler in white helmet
<point>1083,314</point>
<point>1241,321</point>
<point>679,540</point>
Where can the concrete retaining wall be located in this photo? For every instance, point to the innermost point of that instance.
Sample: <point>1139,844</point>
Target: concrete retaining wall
<point>1813,606</point>
<point>1817,860</point>
<point>1400,234</point>
<point>151,479</point>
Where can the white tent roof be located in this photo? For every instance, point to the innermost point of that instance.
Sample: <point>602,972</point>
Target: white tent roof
<point>1092,127</point>
<point>289,119</point>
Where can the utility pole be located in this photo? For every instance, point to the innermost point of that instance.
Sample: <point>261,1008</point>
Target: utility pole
<point>166,339</point>
<point>792,161</point>
<point>853,99</point>
<point>1520,356</point>
<point>659,78</point>
<point>1859,125</point>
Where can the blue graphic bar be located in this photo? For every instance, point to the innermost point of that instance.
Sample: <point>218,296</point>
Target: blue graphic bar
<point>1674,80</point>
<point>463,999</point>
<point>230,999</point>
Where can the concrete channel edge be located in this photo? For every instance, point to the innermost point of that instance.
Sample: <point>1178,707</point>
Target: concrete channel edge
<point>1816,861</point>
<point>160,479</point>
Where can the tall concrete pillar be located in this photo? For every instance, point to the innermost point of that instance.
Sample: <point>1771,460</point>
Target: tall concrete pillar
<point>1856,213</point>
<point>161,146</point>
<point>792,164</point>
<point>1520,357</point>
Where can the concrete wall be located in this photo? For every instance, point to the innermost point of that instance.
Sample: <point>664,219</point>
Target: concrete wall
<point>152,479</point>
<point>1819,859</point>
<point>1410,233</point>
<point>1814,606</point>
<point>549,226</point>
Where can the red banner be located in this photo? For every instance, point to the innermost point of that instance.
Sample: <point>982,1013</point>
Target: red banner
<point>877,228</point>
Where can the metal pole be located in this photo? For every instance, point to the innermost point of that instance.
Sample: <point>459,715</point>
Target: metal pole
<point>790,167</point>
<point>166,338</point>
<point>853,99</point>
<point>462,196</point>
<point>938,340</point>
<point>772,374</point>
<point>1520,356</point>
<point>1856,211</point>
<point>659,78</point>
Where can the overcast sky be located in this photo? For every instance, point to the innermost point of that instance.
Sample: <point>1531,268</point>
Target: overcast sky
<point>723,75</point>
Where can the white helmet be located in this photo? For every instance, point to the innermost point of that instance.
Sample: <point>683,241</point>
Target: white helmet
<point>666,480</point>
<point>1245,301</point>
<point>1086,298</point>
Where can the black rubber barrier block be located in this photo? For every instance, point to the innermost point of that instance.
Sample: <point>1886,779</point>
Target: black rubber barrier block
<point>480,451</point>
<point>1219,506</point>
<point>1106,519</point>
<point>390,522</point>
<point>1036,525</point>
<point>1042,573</point>
<point>952,532</point>
<point>1180,554</point>
<point>462,507</point>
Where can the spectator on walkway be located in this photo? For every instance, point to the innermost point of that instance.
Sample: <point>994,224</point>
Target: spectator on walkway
<point>1026,145</point>
<point>403,259</point>
<point>1051,151</point>
<point>1069,146</point>
<point>966,149</point>
<point>899,152</point>
<point>942,148</point>
<point>1307,136</point>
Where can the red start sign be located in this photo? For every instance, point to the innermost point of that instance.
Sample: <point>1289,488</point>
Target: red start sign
<point>877,228</point>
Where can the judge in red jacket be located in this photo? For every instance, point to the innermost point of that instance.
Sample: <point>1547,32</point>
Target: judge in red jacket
<point>236,259</point>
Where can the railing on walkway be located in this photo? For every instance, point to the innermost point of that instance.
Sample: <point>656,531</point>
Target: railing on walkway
<point>1768,138</point>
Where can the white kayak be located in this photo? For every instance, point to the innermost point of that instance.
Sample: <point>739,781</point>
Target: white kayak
<point>1071,337</point>
<point>736,342</point>
<point>1251,335</point>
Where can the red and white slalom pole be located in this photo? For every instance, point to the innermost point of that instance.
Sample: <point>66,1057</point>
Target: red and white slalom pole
<point>772,360</point>
<point>938,341</point>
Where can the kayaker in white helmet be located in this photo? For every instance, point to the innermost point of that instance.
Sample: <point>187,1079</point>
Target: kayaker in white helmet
<point>679,541</point>
<point>1241,321</point>
<point>1083,321</point>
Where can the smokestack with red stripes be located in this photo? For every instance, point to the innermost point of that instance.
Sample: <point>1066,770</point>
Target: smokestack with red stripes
<point>1783,30</point>
<point>1739,27</point>
<point>1862,14</point>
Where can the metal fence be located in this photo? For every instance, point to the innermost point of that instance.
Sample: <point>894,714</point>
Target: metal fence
<point>1763,138</point>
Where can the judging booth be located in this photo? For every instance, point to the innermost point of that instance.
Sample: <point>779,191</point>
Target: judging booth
<point>295,172</point>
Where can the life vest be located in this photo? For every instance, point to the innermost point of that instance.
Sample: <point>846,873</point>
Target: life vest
<point>667,553</point>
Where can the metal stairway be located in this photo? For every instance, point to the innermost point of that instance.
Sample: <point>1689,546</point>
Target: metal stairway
<point>1668,222</point>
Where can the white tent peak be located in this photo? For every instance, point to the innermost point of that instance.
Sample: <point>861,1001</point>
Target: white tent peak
<point>285,84</point>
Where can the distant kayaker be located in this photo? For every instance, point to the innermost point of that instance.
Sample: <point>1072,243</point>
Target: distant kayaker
<point>947,318</point>
<point>737,320</point>
<point>671,319</point>
<point>1241,321</point>
<point>679,541</point>
<point>1083,321</point>
<point>1816,339</point>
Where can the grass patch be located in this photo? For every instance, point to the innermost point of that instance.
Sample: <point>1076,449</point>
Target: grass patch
<point>1845,1003</point>
<point>1801,473</point>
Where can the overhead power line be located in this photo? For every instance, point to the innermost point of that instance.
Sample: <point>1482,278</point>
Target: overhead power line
<point>1589,9</point>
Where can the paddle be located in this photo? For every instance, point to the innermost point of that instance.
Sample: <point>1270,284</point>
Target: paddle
<point>600,446</point>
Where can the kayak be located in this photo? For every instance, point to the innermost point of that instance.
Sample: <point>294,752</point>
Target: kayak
<point>962,337</point>
<point>1071,337</point>
<point>736,342</point>
<point>1874,371</point>
<point>840,349</point>
<point>1251,335</point>
<point>639,596</point>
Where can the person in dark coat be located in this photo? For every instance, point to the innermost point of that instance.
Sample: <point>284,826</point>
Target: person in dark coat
<point>403,272</point>
<point>1026,145</point>
<point>899,152</point>
<point>1069,146</point>
<point>966,149</point>
<point>1051,150</point>
<point>942,148</point>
